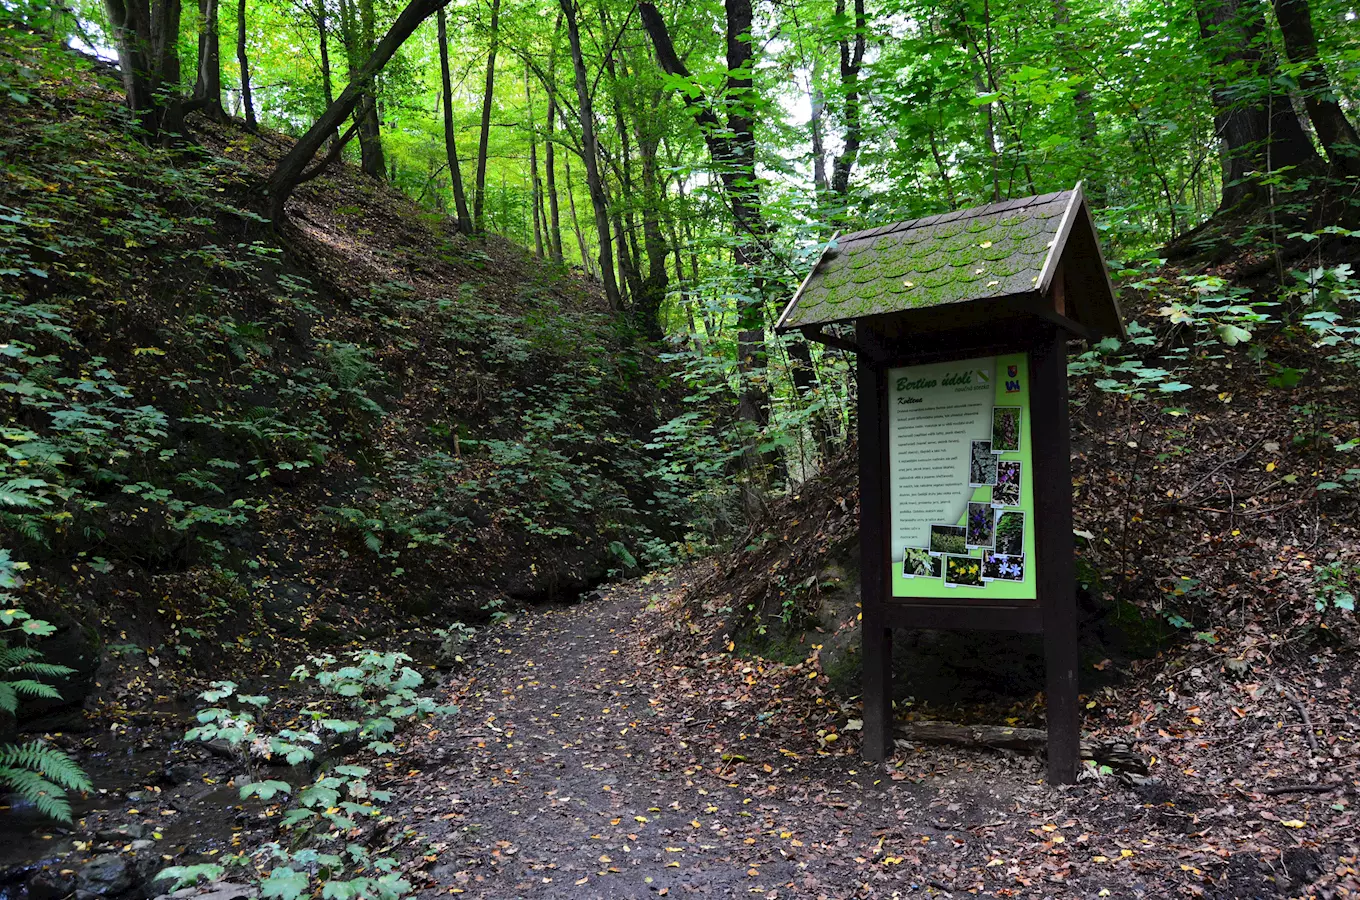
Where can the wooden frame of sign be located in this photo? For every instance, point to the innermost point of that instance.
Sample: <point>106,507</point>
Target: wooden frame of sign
<point>961,323</point>
<point>1053,612</point>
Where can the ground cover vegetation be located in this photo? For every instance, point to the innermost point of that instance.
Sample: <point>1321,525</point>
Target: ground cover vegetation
<point>278,401</point>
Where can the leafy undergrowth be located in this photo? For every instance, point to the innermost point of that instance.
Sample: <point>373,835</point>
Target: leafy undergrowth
<point>224,441</point>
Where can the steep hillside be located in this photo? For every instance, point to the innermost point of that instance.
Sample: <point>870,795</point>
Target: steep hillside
<point>220,437</point>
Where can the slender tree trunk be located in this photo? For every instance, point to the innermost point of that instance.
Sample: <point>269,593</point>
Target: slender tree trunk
<point>450,144</point>
<point>327,86</point>
<point>820,183</point>
<point>575,222</point>
<point>629,263</point>
<point>536,186</point>
<point>1334,130</point>
<point>243,62</point>
<point>852,61</point>
<point>370,129</point>
<point>549,162</point>
<point>590,156</point>
<point>484,143</point>
<point>651,294</point>
<point>208,88</point>
<point>629,282</point>
<point>1259,132</point>
<point>1083,108</point>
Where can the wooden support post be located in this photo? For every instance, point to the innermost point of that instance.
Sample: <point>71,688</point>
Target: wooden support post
<point>875,636</point>
<point>1051,444</point>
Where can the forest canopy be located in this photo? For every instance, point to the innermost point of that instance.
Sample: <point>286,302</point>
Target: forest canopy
<point>692,158</point>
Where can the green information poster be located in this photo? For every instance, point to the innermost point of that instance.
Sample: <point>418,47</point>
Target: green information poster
<point>961,495</point>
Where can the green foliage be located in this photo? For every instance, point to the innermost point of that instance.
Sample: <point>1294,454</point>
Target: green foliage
<point>368,698</point>
<point>39,773</point>
<point>1334,586</point>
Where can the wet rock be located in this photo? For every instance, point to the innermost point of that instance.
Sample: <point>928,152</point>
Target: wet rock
<point>121,833</point>
<point>51,884</point>
<point>104,876</point>
<point>218,890</point>
<point>180,773</point>
<point>221,748</point>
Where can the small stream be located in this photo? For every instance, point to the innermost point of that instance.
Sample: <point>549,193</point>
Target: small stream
<point>154,797</point>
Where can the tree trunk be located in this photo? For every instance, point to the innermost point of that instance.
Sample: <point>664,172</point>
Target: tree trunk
<point>630,264</point>
<point>146,35</point>
<point>327,87</point>
<point>550,165</point>
<point>576,222</point>
<point>820,184</point>
<point>629,281</point>
<point>590,156</point>
<point>1258,131</point>
<point>549,161</point>
<point>484,143</point>
<point>450,145</point>
<point>651,294</point>
<point>1082,107</point>
<point>1334,130</point>
<point>852,61</point>
<point>243,62</point>
<point>284,179</point>
<point>370,129</point>
<point>731,144</point>
<point>535,185</point>
<point>208,88</point>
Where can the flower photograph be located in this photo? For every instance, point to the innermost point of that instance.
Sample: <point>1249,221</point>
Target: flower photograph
<point>1001,567</point>
<point>1010,533</point>
<point>1006,429</point>
<point>981,530</point>
<point>963,570</point>
<point>918,563</point>
<point>981,465</point>
<point>947,539</point>
<point>1006,491</point>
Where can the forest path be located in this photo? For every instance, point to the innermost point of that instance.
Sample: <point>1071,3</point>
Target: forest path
<point>585,763</point>
<point>592,759</point>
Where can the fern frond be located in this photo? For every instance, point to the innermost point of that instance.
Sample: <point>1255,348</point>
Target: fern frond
<point>13,657</point>
<point>47,670</point>
<point>48,761</point>
<point>30,688</point>
<point>9,700</point>
<point>49,799</point>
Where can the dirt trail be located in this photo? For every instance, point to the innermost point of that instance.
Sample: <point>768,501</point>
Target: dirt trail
<point>588,760</point>
<point>584,765</point>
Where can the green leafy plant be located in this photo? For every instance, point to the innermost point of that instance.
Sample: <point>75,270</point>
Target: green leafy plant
<point>1334,586</point>
<point>36,771</point>
<point>364,700</point>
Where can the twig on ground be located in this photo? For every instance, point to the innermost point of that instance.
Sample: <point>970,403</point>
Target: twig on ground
<point>1307,720</point>
<point>1299,789</point>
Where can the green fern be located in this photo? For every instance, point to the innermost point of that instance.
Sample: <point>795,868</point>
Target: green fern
<point>42,775</point>
<point>30,526</point>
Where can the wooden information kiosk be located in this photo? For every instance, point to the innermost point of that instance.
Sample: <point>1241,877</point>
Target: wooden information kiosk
<point>961,324</point>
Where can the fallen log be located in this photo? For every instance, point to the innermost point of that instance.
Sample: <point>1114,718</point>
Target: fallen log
<point>1115,754</point>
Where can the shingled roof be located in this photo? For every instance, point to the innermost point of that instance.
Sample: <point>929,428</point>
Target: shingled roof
<point>1006,249</point>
